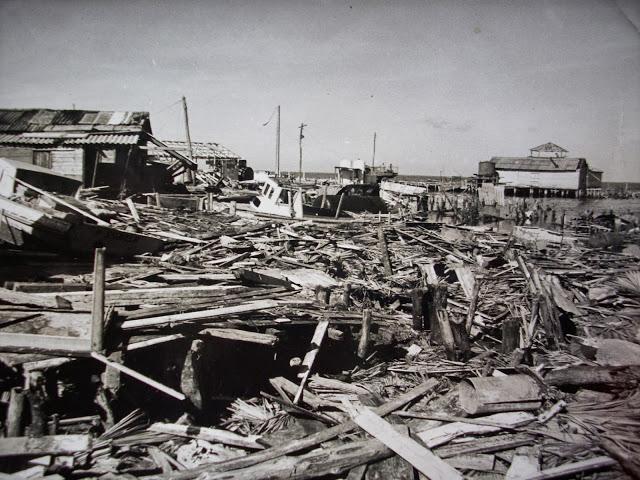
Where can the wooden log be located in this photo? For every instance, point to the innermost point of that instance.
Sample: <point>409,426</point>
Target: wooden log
<point>15,412</point>
<point>213,435</point>
<point>138,376</point>
<point>310,357</point>
<point>97,312</point>
<point>200,315</point>
<point>19,298</point>
<point>237,335</point>
<point>363,345</point>
<point>259,459</point>
<point>585,375</point>
<point>420,457</point>
<point>46,445</point>
<point>510,334</point>
<point>190,374</point>
<point>384,252</point>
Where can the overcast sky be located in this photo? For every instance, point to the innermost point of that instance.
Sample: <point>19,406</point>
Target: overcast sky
<point>445,84</point>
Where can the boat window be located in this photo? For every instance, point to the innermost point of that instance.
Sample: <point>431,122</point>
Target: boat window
<point>271,194</point>
<point>256,202</point>
<point>267,189</point>
<point>284,196</point>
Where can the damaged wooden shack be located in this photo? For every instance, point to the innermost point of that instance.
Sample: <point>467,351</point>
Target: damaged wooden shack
<point>374,347</point>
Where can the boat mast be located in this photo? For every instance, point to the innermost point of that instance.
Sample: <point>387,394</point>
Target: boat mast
<point>278,145</point>
<point>186,125</point>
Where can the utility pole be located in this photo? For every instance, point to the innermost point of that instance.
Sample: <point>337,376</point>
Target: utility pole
<point>278,145</point>
<point>373,161</point>
<point>186,126</point>
<point>302,125</point>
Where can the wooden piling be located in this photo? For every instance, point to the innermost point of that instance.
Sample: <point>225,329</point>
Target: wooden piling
<point>232,208</point>
<point>97,312</point>
<point>417,310</point>
<point>510,334</point>
<point>346,295</point>
<point>158,200</point>
<point>363,345</point>
<point>460,337</point>
<point>15,412</point>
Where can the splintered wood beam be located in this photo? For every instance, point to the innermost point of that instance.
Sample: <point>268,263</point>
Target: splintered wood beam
<point>138,376</point>
<point>423,459</point>
<point>569,469</point>
<point>384,251</point>
<point>133,209</point>
<point>97,310</point>
<point>199,315</point>
<point>260,459</point>
<point>310,357</point>
<point>47,445</point>
<point>20,298</point>
<point>213,435</point>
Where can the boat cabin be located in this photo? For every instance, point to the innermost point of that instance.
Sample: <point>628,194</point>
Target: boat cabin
<point>276,200</point>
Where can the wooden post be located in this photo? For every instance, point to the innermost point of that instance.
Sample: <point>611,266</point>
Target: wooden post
<point>417,311</point>
<point>382,244</point>
<point>324,197</point>
<point>460,337</point>
<point>339,209</point>
<point>209,201</point>
<point>38,427</point>
<point>97,312</point>
<point>510,334</point>
<point>363,346</point>
<point>436,300</point>
<point>158,200</point>
<point>15,412</point>
<point>232,208</point>
<point>323,294</point>
<point>346,295</point>
<point>149,201</point>
<point>446,333</point>
<point>473,305</point>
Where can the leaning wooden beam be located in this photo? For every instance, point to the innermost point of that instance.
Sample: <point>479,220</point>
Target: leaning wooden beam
<point>310,357</point>
<point>327,462</point>
<point>64,203</point>
<point>45,344</point>
<point>462,257</point>
<point>97,311</point>
<point>425,461</point>
<point>569,469</point>
<point>20,298</point>
<point>153,341</point>
<point>133,209</point>
<point>209,434</point>
<point>306,442</point>
<point>47,445</point>
<point>138,376</point>
<point>200,315</point>
<point>384,251</point>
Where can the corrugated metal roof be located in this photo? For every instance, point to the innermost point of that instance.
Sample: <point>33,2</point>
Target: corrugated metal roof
<point>21,140</point>
<point>38,120</point>
<point>537,164</point>
<point>121,139</point>
<point>200,150</point>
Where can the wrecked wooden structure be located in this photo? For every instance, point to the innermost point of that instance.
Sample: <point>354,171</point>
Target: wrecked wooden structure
<point>378,347</point>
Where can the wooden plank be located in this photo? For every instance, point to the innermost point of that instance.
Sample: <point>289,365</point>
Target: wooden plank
<point>238,335</point>
<point>425,461</point>
<point>310,357</point>
<point>138,376</point>
<point>569,469</point>
<point>46,344</point>
<point>133,209</point>
<point>199,315</point>
<point>47,445</point>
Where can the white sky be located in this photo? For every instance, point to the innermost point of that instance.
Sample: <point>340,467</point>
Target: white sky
<point>445,84</point>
